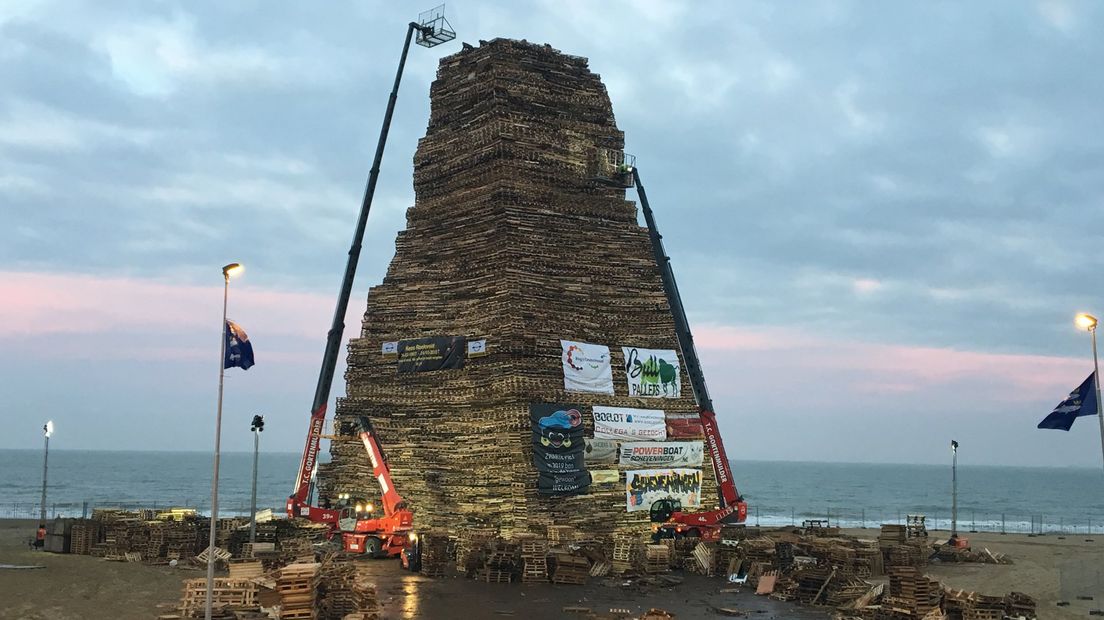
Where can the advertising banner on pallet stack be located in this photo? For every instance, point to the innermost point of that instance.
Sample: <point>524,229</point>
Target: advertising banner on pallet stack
<point>644,487</point>
<point>629,423</point>
<point>600,451</point>
<point>684,425</point>
<point>435,353</point>
<point>558,449</point>
<point>586,367</point>
<point>652,373</point>
<point>662,454</point>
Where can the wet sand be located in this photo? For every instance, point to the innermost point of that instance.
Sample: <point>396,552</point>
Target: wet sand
<point>73,587</point>
<point>1051,568</point>
<point>81,587</point>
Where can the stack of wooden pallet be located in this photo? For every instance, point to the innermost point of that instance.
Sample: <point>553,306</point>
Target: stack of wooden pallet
<point>625,551</point>
<point>297,549</point>
<point>470,548</point>
<point>257,550</point>
<point>511,241</point>
<point>226,594</point>
<point>296,584</point>
<point>704,558</point>
<point>500,562</point>
<point>246,569</point>
<point>268,532</point>
<point>569,568</point>
<point>560,535</point>
<point>1019,605</point>
<point>534,560</point>
<point>84,535</point>
<point>343,589</point>
<point>910,589</point>
<point>891,535</point>
<point>435,556</point>
<point>913,553</point>
<point>172,540</point>
<point>657,559</point>
<point>812,582</point>
<point>844,589</point>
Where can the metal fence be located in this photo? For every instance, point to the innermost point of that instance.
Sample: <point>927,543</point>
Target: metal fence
<point>33,510</point>
<point>968,520</point>
<point>765,516</point>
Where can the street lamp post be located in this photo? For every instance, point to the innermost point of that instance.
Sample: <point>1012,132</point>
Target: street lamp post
<point>954,490</point>
<point>257,427</point>
<point>47,430</point>
<point>1088,321</point>
<point>227,271</point>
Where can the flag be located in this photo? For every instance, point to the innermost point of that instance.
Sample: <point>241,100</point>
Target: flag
<point>239,353</point>
<point>1081,401</point>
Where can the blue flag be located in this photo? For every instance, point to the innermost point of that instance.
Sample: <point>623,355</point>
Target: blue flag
<point>1081,401</point>
<point>239,353</point>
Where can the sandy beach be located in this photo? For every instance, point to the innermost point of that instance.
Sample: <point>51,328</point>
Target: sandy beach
<point>1050,568</point>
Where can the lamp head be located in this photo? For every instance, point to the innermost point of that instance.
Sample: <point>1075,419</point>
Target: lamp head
<point>232,269</point>
<point>48,428</point>
<point>1085,321</point>
<point>257,424</point>
<point>369,508</point>
<point>954,446</point>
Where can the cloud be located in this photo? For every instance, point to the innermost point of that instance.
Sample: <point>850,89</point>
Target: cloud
<point>41,304</point>
<point>898,179</point>
<point>877,368</point>
<point>35,126</point>
<point>154,56</point>
<point>1058,14</point>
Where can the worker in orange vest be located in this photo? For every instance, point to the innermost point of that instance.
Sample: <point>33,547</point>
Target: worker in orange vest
<point>40,536</point>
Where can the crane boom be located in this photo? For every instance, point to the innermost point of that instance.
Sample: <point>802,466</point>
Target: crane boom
<point>729,496</point>
<point>392,501</point>
<point>297,502</point>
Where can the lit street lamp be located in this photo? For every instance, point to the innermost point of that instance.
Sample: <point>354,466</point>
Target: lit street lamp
<point>257,427</point>
<point>47,430</point>
<point>1088,321</point>
<point>227,271</point>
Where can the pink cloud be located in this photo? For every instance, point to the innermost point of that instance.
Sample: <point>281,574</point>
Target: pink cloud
<point>877,368</point>
<point>83,313</point>
<point>81,317</point>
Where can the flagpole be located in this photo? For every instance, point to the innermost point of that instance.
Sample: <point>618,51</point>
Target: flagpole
<point>1096,381</point>
<point>226,271</point>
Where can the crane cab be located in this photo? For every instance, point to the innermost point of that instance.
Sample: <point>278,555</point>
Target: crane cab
<point>663,509</point>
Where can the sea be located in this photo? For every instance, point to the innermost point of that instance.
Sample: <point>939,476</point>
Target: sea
<point>990,498</point>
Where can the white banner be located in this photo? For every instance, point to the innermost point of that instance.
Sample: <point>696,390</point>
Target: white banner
<point>601,450</point>
<point>586,367</point>
<point>652,373</point>
<point>645,487</point>
<point>628,423</point>
<point>477,348</point>
<point>662,454</point>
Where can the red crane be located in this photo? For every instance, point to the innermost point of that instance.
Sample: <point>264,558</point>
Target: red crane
<point>732,508</point>
<point>432,30</point>
<point>388,534</point>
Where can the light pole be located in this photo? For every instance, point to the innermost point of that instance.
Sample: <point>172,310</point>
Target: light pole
<point>257,427</point>
<point>227,271</point>
<point>47,430</point>
<point>1088,321</point>
<point>954,490</point>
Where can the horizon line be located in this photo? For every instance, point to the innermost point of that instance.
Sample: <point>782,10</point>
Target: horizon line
<point>293,453</point>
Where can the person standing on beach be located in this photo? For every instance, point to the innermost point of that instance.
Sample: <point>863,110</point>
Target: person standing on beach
<point>40,536</point>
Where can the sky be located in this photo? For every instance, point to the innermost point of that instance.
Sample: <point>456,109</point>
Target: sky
<point>882,216</point>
